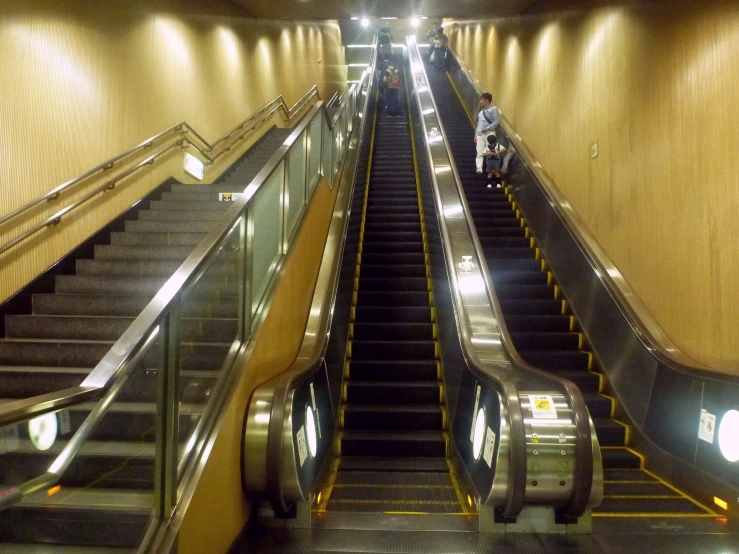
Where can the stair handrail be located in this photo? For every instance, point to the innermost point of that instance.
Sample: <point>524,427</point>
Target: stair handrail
<point>582,488</point>
<point>210,152</point>
<point>641,321</point>
<point>110,374</point>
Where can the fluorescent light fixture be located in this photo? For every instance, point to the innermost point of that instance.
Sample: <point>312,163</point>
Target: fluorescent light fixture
<point>388,18</point>
<point>415,22</point>
<point>355,18</point>
<point>359,46</point>
<point>728,436</point>
<point>364,22</point>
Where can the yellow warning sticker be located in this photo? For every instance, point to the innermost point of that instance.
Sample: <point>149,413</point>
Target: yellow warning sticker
<point>542,406</point>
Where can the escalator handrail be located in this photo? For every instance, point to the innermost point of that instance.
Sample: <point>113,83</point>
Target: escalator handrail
<point>210,152</point>
<point>317,330</point>
<point>642,323</point>
<point>584,457</point>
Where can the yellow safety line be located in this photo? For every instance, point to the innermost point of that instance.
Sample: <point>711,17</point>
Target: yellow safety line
<point>378,486</point>
<point>457,488</point>
<point>402,502</point>
<point>627,429</point>
<point>330,488</point>
<point>642,496</point>
<point>649,514</point>
<point>681,493</point>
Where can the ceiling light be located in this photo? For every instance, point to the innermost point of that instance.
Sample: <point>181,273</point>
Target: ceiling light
<point>364,22</point>
<point>388,18</point>
<point>415,22</point>
<point>354,18</point>
<point>728,436</point>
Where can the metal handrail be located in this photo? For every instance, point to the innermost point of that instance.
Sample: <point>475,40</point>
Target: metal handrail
<point>107,378</point>
<point>211,152</point>
<point>584,458</point>
<point>645,327</point>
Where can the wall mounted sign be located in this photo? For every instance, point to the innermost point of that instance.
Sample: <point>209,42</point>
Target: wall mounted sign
<point>194,167</point>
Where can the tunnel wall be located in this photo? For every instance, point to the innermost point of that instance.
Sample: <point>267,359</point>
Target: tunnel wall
<point>654,86</point>
<point>82,81</point>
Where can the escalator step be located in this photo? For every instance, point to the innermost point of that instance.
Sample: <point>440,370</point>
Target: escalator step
<point>394,298</point>
<point>598,405</point>
<point>513,264</point>
<point>392,392</point>
<point>403,284</point>
<point>504,253</point>
<point>538,323</point>
<point>524,292</point>
<point>510,231</point>
<point>393,350</point>
<point>377,237</point>
<point>404,314</point>
<point>627,475</point>
<point>397,370</point>
<point>405,464</point>
<point>609,432</point>
<point>397,270</point>
<point>645,488</point>
<point>414,445</point>
<point>531,307</point>
<point>587,382</point>
<point>395,478</point>
<point>620,458</point>
<point>558,361</point>
<point>677,505</point>
<point>393,418</point>
<point>393,331</point>
<point>538,342</point>
<point>392,247</point>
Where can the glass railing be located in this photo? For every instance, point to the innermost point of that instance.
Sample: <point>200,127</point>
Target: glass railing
<point>175,361</point>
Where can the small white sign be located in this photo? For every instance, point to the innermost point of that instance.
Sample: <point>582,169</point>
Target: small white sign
<point>707,428</point>
<point>228,196</point>
<point>543,406</point>
<point>474,416</point>
<point>489,447</point>
<point>194,167</point>
<point>466,265</point>
<point>65,423</point>
<point>302,445</point>
<point>9,441</point>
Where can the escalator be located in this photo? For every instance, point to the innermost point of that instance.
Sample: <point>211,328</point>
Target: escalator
<point>392,443</point>
<point>543,328</point>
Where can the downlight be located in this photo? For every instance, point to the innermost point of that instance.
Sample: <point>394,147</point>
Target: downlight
<point>479,435</point>
<point>310,431</point>
<point>728,436</point>
<point>42,431</point>
<point>364,22</point>
<point>415,22</point>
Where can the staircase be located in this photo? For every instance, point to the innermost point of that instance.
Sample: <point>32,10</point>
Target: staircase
<point>106,497</point>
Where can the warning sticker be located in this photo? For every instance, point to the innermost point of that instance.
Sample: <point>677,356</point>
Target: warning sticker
<point>228,196</point>
<point>474,413</point>
<point>707,428</point>
<point>489,447</point>
<point>543,407</point>
<point>302,446</point>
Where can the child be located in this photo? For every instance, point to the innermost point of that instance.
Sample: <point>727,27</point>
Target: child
<point>494,159</point>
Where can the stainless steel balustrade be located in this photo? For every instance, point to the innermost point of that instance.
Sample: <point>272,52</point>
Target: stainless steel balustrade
<point>487,344</point>
<point>662,391</point>
<point>210,152</point>
<point>249,244</point>
<point>271,468</point>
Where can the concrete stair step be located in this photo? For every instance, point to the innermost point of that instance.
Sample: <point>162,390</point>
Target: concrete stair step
<point>156,239</point>
<point>113,305</point>
<point>180,215</point>
<point>138,226</point>
<point>139,286</point>
<point>125,268</point>
<point>84,353</point>
<point>18,382</point>
<point>109,328</point>
<point>190,206</point>
<point>173,253</point>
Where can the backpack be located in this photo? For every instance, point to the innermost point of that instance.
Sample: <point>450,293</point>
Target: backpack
<point>394,81</point>
<point>383,39</point>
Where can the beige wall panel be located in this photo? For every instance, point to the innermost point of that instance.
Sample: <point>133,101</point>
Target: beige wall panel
<point>218,510</point>
<point>656,88</point>
<point>82,81</point>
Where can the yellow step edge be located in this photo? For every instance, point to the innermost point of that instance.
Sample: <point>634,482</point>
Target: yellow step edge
<point>538,253</point>
<point>681,493</point>
<point>433,314</point>
<point>532,242</point>
<point>642,461</point>
<point>613,404</point>
<point>572,321</point>
<point>351,331</point>
<point>347,370</point>
<point>627,429</point>
<point>580,340</point>
<point>556,292</point>
<point>544,265</point>
<point>590,361</point>
<point>438,370</point>
<point>528,233</point>
<point>564,307</point>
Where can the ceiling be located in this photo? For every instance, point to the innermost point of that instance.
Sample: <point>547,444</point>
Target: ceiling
<point>342,9</point>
